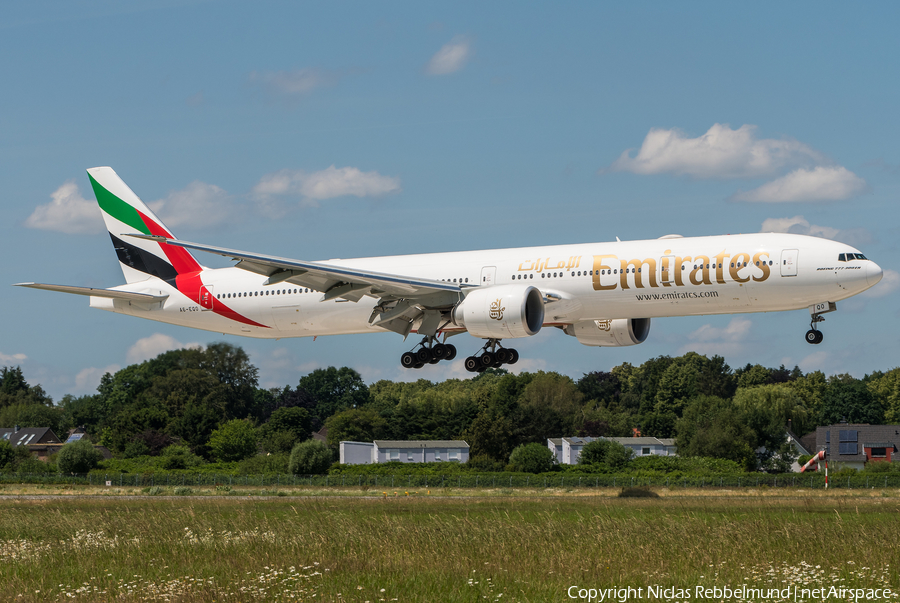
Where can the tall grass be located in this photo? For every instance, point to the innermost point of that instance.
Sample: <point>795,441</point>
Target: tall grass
<point>435,549</point>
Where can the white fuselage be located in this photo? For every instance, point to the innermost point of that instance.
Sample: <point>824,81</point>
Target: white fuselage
<point>594,281</point>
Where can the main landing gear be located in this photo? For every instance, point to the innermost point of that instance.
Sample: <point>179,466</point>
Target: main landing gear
<point>429,352</point>
<point>494,357</point>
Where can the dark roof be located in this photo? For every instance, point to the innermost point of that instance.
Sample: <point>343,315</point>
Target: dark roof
<point>421,444</point>
<point>28,435</point>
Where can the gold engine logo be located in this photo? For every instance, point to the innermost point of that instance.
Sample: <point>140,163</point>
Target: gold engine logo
<point>497,310</point>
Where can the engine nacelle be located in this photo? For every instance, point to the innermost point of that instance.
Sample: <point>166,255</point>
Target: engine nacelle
<point>501,312</point>
<point>610,333</point>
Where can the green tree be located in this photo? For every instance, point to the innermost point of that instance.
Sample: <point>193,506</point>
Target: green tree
<point>885,388</point>
<point>850,399</point>
<point>310,458</point>
<point>779,400</point>
<point>549,404</point>
<point>531,458</point>
<point>491,436</point>
<point>235,440</point>
<point>335,390</point>
<point>606,453</point>
<point>78,457</point>
<point>286,427</point>
<point>689,376</point>
<point>355,425</point>
<point>713,427</point>
<point>600,386</point>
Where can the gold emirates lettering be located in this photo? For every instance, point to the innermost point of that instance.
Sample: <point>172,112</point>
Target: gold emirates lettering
<point>611,272</point>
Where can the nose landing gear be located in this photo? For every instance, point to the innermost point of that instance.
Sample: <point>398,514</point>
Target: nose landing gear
<point>814,335</point>
<point>494,357</point>
<point>430,352</point>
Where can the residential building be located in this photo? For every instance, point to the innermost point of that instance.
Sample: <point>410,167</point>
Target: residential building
<point>25,436</point>
<point>568,450</point>
<point>855,444</point>
<point>404,451</point>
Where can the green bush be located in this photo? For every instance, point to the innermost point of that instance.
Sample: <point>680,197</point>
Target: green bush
<point>531,458</point>
<point>78,457</point>
<point>7,454</point>
<point>32,466</point>
<point>310,458</point>
<point>233,441</point>
<point>135,449</point>
<point>264,464</point>
<point>606,452</point>
<point>178,457</point>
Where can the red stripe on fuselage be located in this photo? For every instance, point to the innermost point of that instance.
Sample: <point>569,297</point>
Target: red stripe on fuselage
<point>188,280</point>
<point>190,285</point>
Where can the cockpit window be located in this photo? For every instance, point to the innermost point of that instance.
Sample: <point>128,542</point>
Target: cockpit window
<point>846,257</point>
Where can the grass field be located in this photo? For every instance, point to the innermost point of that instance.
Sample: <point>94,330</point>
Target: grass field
<point>497,546</point>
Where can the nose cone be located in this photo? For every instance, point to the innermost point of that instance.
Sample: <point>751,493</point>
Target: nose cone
<point>873,273</point>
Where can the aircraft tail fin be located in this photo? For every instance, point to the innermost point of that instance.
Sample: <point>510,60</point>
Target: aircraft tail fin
<point>124,213</point>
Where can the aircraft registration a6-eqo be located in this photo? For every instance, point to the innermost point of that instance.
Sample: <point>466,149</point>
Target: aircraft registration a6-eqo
<point>603,294</point>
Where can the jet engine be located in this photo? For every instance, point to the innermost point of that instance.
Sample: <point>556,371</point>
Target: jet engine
<point>610,333</point>
<point>501,312</point>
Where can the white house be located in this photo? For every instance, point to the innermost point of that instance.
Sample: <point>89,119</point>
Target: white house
<point>404,451</point>
<point>568,450</point>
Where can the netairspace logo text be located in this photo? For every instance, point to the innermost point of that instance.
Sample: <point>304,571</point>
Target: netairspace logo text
<point>719,593</point>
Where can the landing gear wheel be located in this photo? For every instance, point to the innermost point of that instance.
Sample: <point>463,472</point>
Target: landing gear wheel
<point>419,365</point>
<point>408,360</point>
<point>471,364</point>
<point>513,356</point>
<point>814,337</point>
<point>503,356</point>
<point>424,355</point>
<point>451,353</point>
<point>487,359</point>
<point>439,351</point>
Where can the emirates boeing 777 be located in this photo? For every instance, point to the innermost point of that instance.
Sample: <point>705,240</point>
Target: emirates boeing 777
<point>603,294</point>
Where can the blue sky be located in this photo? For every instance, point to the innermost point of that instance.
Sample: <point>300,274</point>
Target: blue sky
<point>353,129</point>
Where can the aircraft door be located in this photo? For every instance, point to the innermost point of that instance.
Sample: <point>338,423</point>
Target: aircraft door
<point>667,270</point>
<point>488,275</point>
<point>206,297</point>
<point>789,262</point>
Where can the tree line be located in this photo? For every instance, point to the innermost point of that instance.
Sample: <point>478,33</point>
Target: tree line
<point>194,406</point>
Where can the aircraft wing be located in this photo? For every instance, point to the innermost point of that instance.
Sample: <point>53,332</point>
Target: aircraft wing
<point>334,281</point>
<point>110,293</point>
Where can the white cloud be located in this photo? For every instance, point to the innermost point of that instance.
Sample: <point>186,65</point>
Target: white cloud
<point>69,212</point>
<point>89,378</point>
<point>199,204</point>
<point>890,282</point>
<point>856,237</point>
<point>12,358</point>
<point>295,83</point>
<point>325,184</point>
<point>723,341</point>
<point>451,57</point>
<point>153,346</point>
<point>820,183</point>
<point>720,153</point>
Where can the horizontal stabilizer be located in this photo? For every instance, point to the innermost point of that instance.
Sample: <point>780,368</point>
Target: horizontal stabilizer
<point>90,291</point>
